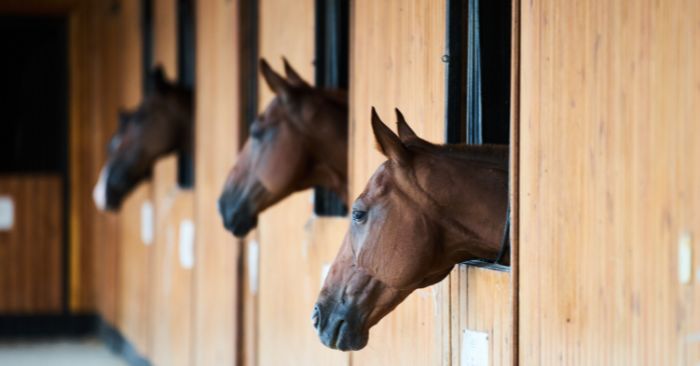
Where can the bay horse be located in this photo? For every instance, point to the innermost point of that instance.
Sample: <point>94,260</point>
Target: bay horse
<point>425,209</point>
<point>161,124</point>
<point>299,141</point>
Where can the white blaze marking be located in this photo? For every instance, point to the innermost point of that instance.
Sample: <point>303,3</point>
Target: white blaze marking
<point>99,194</point>
<point>325,268</point>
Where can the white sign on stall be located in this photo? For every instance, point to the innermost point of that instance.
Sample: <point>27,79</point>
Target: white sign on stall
<point>475,348</point>
<point>186,247</point>
<point>7,213</point>
<point>147,223</point>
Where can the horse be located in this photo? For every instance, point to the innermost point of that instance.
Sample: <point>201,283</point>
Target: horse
<point>160,125</point>
<point>425,209</point>
<point>299,141</point>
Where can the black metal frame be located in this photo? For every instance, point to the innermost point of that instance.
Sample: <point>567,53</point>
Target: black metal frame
<point>331,61</point>
<point>186,71</point>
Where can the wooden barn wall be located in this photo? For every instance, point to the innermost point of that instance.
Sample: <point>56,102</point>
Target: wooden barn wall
<point>104,236</point>
<point>395,63</point>
<point>135,255</point>
<point>31,251</point>
<point>610,182</point>
<point>293,243</point>
<point>409,74</point>
<point>172,304</point>
<point>217,135</point>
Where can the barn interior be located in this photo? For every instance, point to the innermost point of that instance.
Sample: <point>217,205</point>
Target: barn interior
<point>596,102</point>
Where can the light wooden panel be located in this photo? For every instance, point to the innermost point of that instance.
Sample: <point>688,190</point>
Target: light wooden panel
<point>610,178</point>
<point>396,48</point>
<point>481,301</point>
<point>105,234</point>
<point>136,257</point>
<point>217,121</point>
<point>31,253</point>
<point>171,312</point>
<point>172,306</point>
<point>293,244</point>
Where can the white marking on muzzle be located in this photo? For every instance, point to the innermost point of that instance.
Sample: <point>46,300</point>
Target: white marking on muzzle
<point>99,193</point>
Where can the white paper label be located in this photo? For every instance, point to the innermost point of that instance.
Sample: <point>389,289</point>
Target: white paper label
<point>147,223</point>
<point>475,348</point>
<point>7,213</point>
<point>324,272</point>
<point>186,248</point>
<point>685,262</point>
<point>253,257</point>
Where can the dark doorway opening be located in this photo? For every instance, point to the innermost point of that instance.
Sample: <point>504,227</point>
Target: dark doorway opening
<point>34,72</point>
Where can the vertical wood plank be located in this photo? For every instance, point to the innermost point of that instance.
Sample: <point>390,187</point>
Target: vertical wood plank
<point>609,180</point>
<point>294,244</point>
<point>396,50</point>
<point>216,144</point>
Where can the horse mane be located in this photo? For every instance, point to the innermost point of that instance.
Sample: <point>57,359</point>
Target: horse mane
<point>483,153</point>
<point>336,96</point>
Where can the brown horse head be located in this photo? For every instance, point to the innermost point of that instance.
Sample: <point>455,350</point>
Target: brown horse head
<point>299,141</point>
<point>160,125</point>
<point>425,209</point>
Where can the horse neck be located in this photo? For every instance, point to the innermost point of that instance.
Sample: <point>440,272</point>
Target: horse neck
<point>328,143</point>
<point>470,188</point>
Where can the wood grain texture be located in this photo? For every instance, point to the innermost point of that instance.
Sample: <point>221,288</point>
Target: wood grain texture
<point>136,257</point>
<point>216,144</point>
<point>396,50</point>
<point>31,252</point>
<point>610,178</point>
<point>294,244</point>
<point>103,122</point>
<point>172,305</point>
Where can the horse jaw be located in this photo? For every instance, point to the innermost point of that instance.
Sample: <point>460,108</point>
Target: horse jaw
<point>99,193</point>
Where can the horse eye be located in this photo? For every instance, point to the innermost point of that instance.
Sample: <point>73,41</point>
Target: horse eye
<point>257,133</point>
<point>359,216</point>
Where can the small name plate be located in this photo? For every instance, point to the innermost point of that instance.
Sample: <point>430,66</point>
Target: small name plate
<point>186,248</point>
<point>147,222</point>
<point>7,213</point>
<point>475,348</point>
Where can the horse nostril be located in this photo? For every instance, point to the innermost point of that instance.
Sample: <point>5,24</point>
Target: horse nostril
<point>316,317</point>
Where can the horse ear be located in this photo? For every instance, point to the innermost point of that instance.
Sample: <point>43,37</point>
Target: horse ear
<point>157,81</point>
<point>389,144</point>
<point>293,76</point>
<point>276,82</point>
<point>405,131</point>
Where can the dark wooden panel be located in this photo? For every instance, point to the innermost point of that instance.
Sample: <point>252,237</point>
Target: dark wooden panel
<point>31,263</point>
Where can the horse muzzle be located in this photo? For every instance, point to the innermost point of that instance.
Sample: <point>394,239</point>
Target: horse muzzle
<point>339,326</point>
<point>237,215</point>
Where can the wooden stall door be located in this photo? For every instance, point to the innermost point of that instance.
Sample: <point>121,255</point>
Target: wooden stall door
<point>294,244</point>
<point>216,144</point>
<point>31,247</point>
<point>610,183</point>
<point>135,247</point>
<point>396,50</point>
<point>172,308</point>
<point>103,122</point>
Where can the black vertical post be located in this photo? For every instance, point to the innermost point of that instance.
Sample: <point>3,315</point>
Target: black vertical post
<point>147,42</point>
<point>455,111</point>
<point>331,61</point>
<point>186,75</point>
